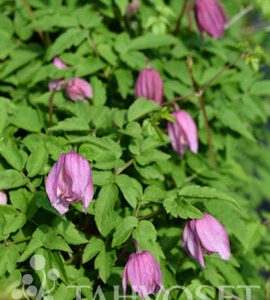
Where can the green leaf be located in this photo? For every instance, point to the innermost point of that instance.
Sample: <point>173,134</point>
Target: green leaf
<point>145,234</point>
<point>124,80</point>
<point>71,124</point>
<point>27,118</point>
<point>150,41</point>
<point>122,5</point>
<point>261,88</point>
<point>94,246</point>
<point>69,232</point>
<point>151,155</point>
<point>140,108</point>
<point>99,92</point>
<point>11,154</point>
<point>11,179</point>
<point>200,193</point>
<point>104,263</point>
<point>41,200</point>
<point>101,178</point>
<point>154,193</point>
<point>38,157</point>
<point>105,216</point>
<point>178,207</point>
<point>107,53</point>
<point>131,189</point>
<point>71,37</point>
<point>53,241</point>
<point>13,222</point>
<point>124,230</point>
<point>134,59</point>
<point>35,243</point>
<point>230,119</point>
<point>20,199</point>
<point>90,66</point>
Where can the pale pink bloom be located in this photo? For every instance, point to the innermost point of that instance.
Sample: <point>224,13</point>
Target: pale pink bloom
<point>210,17</point>
<point>78,89</point>
<point>70,180</point>
<point>3,198</point>
<point>183,132</point>
<point>206,235</point>
<point>143,273</point>
<point>149,85</point>
<point>132,8</point>
<point>57,61</point>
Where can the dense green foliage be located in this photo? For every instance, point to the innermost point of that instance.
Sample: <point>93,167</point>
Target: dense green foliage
<point>143,189</point>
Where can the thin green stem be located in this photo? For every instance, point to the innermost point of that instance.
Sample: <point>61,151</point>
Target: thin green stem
<point>203,110</point>
<point>44,40</point>
<point>180,17</point>
<point>151,215</point>
<point>208,130</point>
<point>122,169</point>
<point>171,102</point>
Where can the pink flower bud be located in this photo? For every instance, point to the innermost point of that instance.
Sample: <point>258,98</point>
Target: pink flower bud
<point>57,61</point>
<point>78,89</point>
<point>132,8</point>
<point>206,235</point>
<point>210,17</point>
<point>70,180</point>
<point>3,198</point>
<point>143,273</point>
<point>149,85</point>
<point>183,133</point>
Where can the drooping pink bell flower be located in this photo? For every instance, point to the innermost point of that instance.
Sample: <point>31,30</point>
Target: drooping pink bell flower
<point>210,17</point>
<point>70,180</point>
<point>57,61</point>
<point>132,8</point>
<point>143,273</point>
<point>206,235</point>
<point>3,198</point>
<point>183,132</point>
<point>149,85</point>
<point>78,89</point>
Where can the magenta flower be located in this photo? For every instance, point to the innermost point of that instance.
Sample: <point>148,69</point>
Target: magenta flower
<point>149,85</point>
<point>70,180</point>
<point>143,273</point>
<point>206,235</point>
<point>132,8</point>
<point>78,89</point>
<point>210,17</point>
<point>3,198</point>
<point>57,61</point>
<point>183,132</point>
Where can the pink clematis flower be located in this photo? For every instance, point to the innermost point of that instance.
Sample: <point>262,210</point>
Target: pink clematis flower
<point>210,17</point>
<point>149,85</point>
<point>3,198</point>
<point>206,235</point>
<point>70,180</point>
<point>132,8</point>
<point>57,61</point>
<point>78,89</point>
<point>143,273</point>
<point>183,133</point>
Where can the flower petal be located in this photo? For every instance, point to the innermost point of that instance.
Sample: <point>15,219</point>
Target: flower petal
<point>213,236</point>
<point>189,129</point>
<point>191,242</point>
